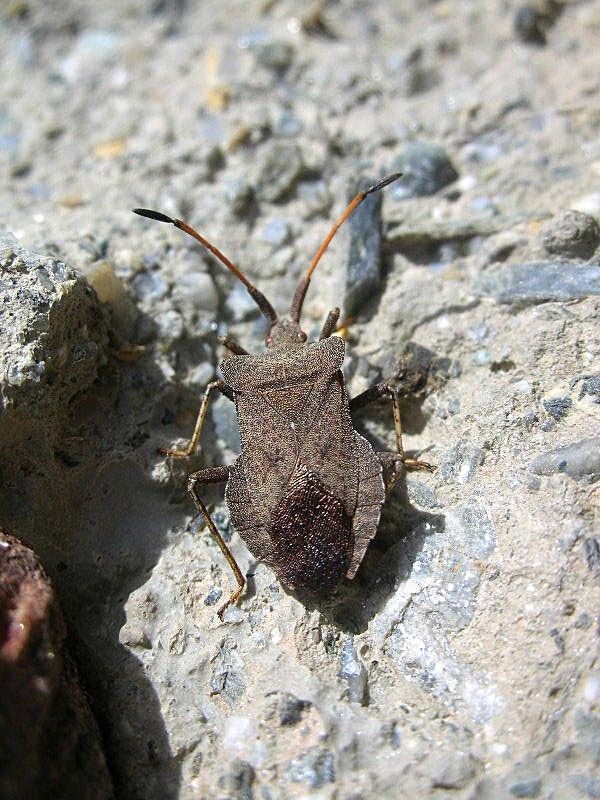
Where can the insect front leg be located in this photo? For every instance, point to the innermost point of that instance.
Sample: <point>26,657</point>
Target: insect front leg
<point>395,460</point>
<point>189,450</point>
<point>203,477</point>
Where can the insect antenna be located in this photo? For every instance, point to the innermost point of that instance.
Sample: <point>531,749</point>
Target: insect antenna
<point>302,288</point>
<point>261,301</point>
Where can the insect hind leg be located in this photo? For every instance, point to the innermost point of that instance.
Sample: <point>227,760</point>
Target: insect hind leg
<point>204,477</point>
<point>398,461</point>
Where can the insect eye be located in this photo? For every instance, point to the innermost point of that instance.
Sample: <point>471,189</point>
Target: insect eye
<point>302,336</point>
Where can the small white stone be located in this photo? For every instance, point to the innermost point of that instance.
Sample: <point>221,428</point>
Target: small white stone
<point>591,688</point>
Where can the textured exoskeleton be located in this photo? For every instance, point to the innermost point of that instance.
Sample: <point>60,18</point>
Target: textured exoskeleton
<point>306,491</point>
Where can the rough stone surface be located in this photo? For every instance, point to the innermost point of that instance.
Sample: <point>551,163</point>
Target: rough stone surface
<point>574,235</point>
<point>463,659</point>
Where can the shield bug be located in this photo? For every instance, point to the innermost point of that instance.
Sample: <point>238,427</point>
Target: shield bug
<point>305,493</point>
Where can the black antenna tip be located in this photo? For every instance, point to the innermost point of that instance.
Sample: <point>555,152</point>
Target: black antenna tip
<point>146,212</point>
<point>383,183</point>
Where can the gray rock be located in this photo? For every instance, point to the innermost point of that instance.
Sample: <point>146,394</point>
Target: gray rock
<point>353,671</point>
<point>276,231</point>
<point>460,462</point>
<point>53,334</point>
<point>529,788</point>
<point>540,281</point>
<point>213,597</point>
<point>237,782</point>
<point>316,198</point>
<point>315,768</point>
<point>280,166</point>
<point>426,169</point>
<point>558,407</point>
<point>289,708</point>
<point>240,304</point>
<point>149,287</point>
<point>421,494</point>
<point>451,770</point>
<point>592,553</point>
<point>276,55</point>
<point>590,386</point>
<point>404,233</point>
<point>363,268</point>
<point>587,727</point>
<point>529,25</point>
<point>576,460</point>
<point>225,422</point>
<point>228,678</point>
<point>572,234</point>
<point>588,784</point>
<point>240,196</point>
<point>287,125</point>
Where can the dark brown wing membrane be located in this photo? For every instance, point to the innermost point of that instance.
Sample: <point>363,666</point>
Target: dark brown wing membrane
<point>311,536</point>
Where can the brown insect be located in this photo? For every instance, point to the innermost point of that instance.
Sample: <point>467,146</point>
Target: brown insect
<point>305,493</point>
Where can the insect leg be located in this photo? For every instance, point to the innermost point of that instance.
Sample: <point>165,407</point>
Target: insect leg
<point>189,450</point>
<point>216,475</point>
<point>230,344</point>
<point>375,392</point>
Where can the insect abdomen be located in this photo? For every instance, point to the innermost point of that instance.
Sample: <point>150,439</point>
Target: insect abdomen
<point>311,535</point>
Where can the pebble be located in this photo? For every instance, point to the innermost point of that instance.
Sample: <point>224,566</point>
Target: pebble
<point>587,726</point>
<point>461,462</point>
<point>275,55</point>
<point>213,597</point>
<point>530,788</point>
<point>529,25</point>
<point>481,358</point>
<point>588,784</point>
<point>451,770</point>
<point>289,709</point>
<point>592,554</point>
<point>576,460</point>
<point>363,268</point>
<point>195,291</point>
<point>240,196</point>
<point>225,422</point>
<point>558,407</point>
<point>524,387</point>
<point>315,197</point>
<point>280,166</point>
<point>421,494</point>
<point>540,281</point>
<point>314,767</point>
<point>427,169</point>
<point>240,304</point>
<point>237,781</point>
<point>573,234</point>
<point>149,287</point>
<point>91,49</point>
<point>287,125</point>
<point>227,678</point>
<point>276,231</point>
<point>352,670</point>
<point>590,386</point>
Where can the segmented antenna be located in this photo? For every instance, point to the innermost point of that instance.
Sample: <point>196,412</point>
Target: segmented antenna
<point>302,288</point>
<point>261,301</point>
